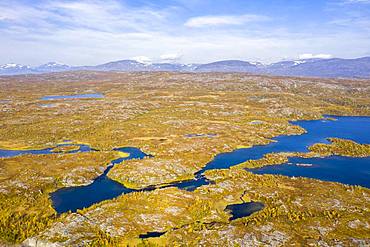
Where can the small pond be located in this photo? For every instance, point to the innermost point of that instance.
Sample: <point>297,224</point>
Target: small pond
<point>75,96</point>
<point>243,209</point>
<point>151,235</point>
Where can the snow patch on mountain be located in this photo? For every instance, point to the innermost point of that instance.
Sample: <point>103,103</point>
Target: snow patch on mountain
<point>143,59</point>
<point>13,66</point>
<point>314,66</point>
<point>298,62</point>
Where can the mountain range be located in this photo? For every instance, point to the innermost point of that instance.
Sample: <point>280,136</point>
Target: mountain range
<point>330,68</point>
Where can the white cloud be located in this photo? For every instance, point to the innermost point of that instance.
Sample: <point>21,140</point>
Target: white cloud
<point>142,59</point>
<point>203,21</point>
<point>108,16</point>
<point>170,57</point>
<point>88,32</point>
<point>310,56</point>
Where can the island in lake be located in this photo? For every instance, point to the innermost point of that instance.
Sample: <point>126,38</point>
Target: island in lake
<point>183,159</point>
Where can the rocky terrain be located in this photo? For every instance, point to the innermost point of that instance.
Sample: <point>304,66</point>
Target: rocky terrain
<point>183,120</point>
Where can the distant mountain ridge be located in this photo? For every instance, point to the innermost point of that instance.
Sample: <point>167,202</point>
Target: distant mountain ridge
<point>329,68</point>
<point>228,66</point>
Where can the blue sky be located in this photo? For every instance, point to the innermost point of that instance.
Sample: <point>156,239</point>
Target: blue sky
<point>87,32</point>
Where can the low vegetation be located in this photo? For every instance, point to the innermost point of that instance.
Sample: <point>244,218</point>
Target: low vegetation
<point>183,120</point>
<point>26,182</point>
<point>337,146</point>
<point>341,147</point>
<point>268,159</point>
<point>65,149</point>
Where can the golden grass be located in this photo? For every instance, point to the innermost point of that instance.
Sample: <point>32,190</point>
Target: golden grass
<point>155,112</point>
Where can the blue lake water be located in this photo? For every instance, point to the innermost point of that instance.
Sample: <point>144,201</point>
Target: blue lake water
<point>243,209</point>
<point>151,235</point>
<point>75,96</point>
<point>4,153</point>
<point>102,188</point>
<point>339,169</point>
<point>352,128</point>
<point>347,170</point>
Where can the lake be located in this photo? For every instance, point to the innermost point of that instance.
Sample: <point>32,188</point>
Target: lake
<point>352,128</point>
<point>7,153</point>
<point>346,170</point>
<point>102,188</point>
<point>243,209</point>
<point>75,96</point>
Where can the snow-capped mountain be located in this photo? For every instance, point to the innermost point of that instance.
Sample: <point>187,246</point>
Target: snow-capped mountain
<point>228,66</point>
<point>14,69</point>
<point>284,66</point>
<point>122,65</point>
<point>11,66</point>
<point>334,67</point>
<point>258,64</point>
<point>52,67</point>
<point>133,65</point>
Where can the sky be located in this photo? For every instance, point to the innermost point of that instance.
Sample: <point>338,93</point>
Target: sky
<point>90,32</point>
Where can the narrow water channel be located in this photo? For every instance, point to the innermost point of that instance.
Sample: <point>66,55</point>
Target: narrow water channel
<point>339,169</point>
<point>102,188</point>
<point>318,131</point>
<point>7,153</point>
